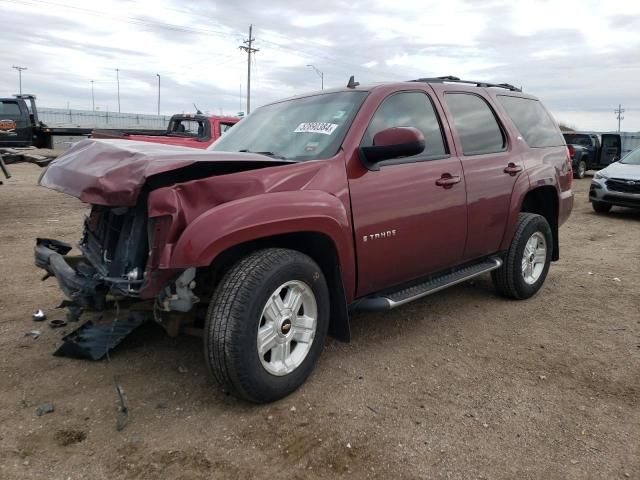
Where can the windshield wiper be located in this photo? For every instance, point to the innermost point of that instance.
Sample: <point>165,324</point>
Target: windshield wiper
<point>268,154</point>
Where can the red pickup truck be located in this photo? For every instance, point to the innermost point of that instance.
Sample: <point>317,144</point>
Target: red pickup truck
<point>185,130</point>
<point>362,198</point>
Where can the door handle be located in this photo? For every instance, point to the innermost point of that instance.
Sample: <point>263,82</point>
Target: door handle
<point>447,180</point>
<point>512,169</point>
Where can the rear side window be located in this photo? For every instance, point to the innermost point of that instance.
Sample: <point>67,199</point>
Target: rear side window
<point>409,109</point>
<point>577,139</point>
<point>188,128</point>
<point>9,108</point>
<point>476,124</point>
<point>533,122</point>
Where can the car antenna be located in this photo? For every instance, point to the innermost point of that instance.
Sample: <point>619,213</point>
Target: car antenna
<point>198,112</point>
<point>352,82</point>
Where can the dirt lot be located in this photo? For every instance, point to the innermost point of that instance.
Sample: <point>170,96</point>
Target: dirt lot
<point>462,384</point>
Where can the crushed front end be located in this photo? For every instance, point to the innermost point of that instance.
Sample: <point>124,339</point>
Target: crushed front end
<point>142,197</point>
<point>115,263</point>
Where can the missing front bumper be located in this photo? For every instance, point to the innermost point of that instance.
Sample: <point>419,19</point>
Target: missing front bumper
<point>76,279</point>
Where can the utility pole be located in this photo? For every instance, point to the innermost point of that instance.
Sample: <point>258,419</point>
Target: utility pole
<point>158,75</point>
<point>93,98</point>
<point>118,81</point>
<point>619,111</point>
<point>19,69</point>
<point>320,74</point>
<point>249,49</point>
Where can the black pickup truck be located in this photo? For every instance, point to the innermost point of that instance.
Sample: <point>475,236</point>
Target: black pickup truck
<point>593,151</point>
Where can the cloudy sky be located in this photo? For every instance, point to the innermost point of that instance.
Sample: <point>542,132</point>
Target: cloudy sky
<point>582,58</point>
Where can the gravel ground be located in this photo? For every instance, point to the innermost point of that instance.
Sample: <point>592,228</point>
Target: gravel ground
<point>462,384</point>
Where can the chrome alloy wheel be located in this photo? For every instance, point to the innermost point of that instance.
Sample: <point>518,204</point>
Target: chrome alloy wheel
<point>534,258</point>
<point>287,327</point>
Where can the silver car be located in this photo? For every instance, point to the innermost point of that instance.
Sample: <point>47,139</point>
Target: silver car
<point>618,184</point>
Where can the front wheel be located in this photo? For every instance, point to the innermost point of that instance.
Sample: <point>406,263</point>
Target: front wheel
<point>266,324</point>
<point>527,261</point>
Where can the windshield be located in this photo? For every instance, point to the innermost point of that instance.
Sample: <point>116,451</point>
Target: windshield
<point>632,158</point>
<point>576,139</point>
<point>300,129</point>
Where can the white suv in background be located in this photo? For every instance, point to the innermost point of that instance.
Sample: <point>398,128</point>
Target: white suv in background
<point>618,184</point>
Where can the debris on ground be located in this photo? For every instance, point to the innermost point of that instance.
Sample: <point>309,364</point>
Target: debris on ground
<point>92,340</point>
<point>44,408</point>
<point>33,333</point>
<point>182,369</point>
<point>39,315</point>
<point>57,323</point>
<point>616,279</point>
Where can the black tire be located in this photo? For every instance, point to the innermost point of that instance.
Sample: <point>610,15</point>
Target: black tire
<point>509,279</point>
<point>234,315</point>
<point>601,207</point>
<point>581,170</point>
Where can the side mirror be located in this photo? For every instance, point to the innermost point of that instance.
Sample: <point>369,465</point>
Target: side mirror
<point>395,142</point>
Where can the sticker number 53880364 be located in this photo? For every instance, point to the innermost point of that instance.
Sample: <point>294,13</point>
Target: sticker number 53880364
<point>316,127</point>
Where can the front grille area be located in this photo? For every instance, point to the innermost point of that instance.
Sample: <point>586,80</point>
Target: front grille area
<point>115,242</point>
<point>624,186</point>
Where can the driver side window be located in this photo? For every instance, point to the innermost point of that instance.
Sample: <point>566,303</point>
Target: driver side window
<point>409,109</point>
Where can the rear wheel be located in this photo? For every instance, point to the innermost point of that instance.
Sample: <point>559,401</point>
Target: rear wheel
<point>527,261</point>
<point>601,207</point>
<point>267,324</point>
<point>581,170</point>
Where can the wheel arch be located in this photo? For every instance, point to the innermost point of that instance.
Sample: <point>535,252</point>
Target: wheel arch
<point>544,201</point>
<point>318,246</point>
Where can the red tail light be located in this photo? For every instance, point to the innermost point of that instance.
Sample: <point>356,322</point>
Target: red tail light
<point>569,168</point>
<point>572,151</point>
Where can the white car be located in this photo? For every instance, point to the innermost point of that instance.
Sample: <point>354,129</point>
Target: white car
<point>618,184</point>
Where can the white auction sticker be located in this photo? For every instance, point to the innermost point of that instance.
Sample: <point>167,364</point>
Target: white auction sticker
<point>316,127</point>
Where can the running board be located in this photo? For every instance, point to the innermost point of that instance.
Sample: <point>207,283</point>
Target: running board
<point>392,299</point>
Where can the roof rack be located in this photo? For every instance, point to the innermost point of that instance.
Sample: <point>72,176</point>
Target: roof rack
<point>452,79</point>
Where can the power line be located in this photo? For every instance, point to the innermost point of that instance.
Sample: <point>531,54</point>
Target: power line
<point>249,49</point>
<point>168,26</point>
<point>306,54</point>
<point>619,111</point>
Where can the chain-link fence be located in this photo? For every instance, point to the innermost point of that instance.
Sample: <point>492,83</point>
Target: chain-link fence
<point>58,117</point>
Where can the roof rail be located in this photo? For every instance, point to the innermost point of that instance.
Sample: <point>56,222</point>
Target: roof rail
<point>452,79</point>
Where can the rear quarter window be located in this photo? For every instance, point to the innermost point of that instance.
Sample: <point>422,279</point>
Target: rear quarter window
<point>476,124</point>
<point>532,121</point>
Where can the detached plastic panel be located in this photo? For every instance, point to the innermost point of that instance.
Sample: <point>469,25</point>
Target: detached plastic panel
<point>92,340</point>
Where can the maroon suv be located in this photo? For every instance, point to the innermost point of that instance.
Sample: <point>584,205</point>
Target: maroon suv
<point>355,199</point>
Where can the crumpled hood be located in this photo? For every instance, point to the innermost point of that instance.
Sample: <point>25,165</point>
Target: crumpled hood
<point>113,172</point>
